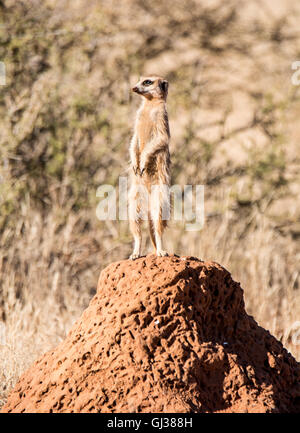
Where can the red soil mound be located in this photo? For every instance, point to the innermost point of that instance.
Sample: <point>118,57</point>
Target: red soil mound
<point>163,335</point>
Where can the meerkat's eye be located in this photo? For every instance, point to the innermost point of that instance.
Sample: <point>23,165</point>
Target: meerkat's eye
<point>147,83</point>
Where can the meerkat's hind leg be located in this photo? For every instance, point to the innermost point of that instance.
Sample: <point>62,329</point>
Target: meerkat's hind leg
<point>159,226</point>
<point>135,226</point>
<point>135,223</point>
<point>152,231</point>
<point>159,202</point>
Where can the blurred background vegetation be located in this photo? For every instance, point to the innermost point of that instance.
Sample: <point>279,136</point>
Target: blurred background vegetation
<point>66,120</point>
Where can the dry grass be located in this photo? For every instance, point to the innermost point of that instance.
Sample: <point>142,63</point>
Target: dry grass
<point>66,116</point>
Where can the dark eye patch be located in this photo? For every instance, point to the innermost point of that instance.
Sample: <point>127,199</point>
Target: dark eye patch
<point>147,83</point>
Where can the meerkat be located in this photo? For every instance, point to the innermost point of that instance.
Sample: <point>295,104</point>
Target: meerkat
<point>150,162</point>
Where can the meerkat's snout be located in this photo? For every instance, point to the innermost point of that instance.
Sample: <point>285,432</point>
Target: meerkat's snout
<point>139,89</point>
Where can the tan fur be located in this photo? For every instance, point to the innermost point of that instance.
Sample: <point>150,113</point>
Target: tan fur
<point>150,161</point>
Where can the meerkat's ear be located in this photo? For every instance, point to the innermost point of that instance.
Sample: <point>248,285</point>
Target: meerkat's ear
<point>164,85</point>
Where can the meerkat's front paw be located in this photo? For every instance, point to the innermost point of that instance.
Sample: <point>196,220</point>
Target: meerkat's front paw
<point>162,253</point>
<point>143,167</point>
<point>134,256</point>
<point>135,170</point>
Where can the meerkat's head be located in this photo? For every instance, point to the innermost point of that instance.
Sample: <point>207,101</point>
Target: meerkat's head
<point>152,87</point>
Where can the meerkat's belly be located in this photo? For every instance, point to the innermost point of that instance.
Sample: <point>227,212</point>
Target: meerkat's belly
<point>157,167</point>
<point>145,131</point>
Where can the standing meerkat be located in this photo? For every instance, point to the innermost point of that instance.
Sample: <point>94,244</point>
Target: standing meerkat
<point>150,162</point>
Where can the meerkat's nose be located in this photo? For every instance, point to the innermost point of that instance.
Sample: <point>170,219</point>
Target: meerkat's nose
<point>134,89</point>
